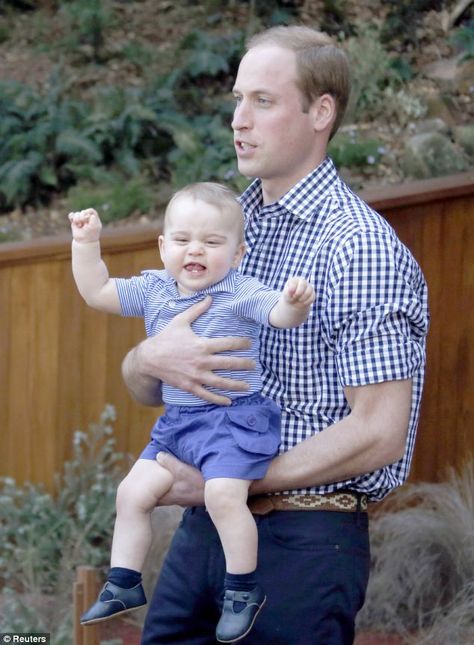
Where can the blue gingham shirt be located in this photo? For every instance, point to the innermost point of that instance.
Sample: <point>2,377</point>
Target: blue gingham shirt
<point>368,323</point>
<point>240,306</point>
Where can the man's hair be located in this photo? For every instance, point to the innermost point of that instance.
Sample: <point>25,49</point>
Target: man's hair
<point>217,195</point>
<point>322,67</point>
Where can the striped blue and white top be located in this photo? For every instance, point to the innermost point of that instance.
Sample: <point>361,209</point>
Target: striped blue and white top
<point>368,323</point>
<point>240,306</point>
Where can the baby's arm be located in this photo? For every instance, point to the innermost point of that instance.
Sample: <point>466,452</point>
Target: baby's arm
<point>293,307</point>
<point>89,270</point>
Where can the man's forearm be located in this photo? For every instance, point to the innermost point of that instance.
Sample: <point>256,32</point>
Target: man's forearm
<point>144,388</point>
<point>372,436</point>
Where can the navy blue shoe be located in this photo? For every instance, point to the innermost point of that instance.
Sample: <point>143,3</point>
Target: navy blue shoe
<point>113,601</point>
<point>237,620</point>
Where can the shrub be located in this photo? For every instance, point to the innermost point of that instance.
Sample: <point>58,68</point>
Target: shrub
<point>463,40</point>
<point>45,536</point>
<point>348,150</point>
<point>115,198</point>
<point>423,562</point>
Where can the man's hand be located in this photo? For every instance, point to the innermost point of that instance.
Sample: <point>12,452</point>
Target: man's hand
<point>178,357</point>
<point>188,484</point>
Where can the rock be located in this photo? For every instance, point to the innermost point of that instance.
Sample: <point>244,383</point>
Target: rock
<point>464,136</point>
<point>436,124</point>
<point>451,74</point>
<point>432,155</point>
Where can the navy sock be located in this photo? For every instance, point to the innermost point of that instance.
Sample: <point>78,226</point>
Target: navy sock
<point>124,578</point>
<point>240,582</point>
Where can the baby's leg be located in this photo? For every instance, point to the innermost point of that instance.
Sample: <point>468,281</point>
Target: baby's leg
<point>137,496</point>
<point>226,502</point>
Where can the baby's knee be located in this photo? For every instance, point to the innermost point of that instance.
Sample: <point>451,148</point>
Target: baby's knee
<point>219,498</point>
<point>129,496</point>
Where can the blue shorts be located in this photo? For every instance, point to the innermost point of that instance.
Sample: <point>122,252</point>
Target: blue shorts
<point>237,441</point>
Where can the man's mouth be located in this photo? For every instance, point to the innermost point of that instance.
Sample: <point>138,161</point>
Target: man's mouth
<point>243,146</point>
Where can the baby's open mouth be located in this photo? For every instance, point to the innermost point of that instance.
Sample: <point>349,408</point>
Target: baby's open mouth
<point>195,267</point>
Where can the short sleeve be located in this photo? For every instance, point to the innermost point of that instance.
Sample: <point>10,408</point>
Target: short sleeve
<point>133,292</point>
<point>376,317</point>
<point>254,300</point>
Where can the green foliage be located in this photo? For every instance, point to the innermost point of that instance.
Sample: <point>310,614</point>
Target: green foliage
<point>34,151</point>
<point>115,199</point>
<point>463,39</point>
<point>403,18</point>
<point>90,19</point>
<point>50,142</point>
<point>138,54</point>
<point>347,150</point>
<point>45,536</point>
<point>371,72</point>
<point>203,149</point>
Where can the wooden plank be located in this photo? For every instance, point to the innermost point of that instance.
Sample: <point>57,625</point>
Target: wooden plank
<point>60,361</point>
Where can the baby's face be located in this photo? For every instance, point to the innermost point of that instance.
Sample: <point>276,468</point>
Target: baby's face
<point>200,244</point>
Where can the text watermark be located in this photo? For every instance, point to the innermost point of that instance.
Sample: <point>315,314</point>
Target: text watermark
<point>17,637</point>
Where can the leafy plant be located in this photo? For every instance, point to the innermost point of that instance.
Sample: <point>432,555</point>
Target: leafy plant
<point>463,39</point>
<point>39,136</point>
<point>90,20</point>
<point>45,536</point>
<point>115,199</point>
<point>403,18</point>
<point>50,142</point>
<point>203,150</point>
<point>371,72</point>
<point>347,150</point>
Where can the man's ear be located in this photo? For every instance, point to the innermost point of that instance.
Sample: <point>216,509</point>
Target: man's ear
<point>323,112</point>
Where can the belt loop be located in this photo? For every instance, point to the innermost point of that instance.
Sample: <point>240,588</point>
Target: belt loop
<point>359,508</point>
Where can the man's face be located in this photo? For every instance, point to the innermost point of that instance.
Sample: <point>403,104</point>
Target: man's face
<point>274,139</point>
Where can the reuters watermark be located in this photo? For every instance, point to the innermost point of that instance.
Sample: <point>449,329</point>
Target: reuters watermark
<point>16,637</point>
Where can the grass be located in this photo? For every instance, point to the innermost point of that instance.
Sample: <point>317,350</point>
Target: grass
<point>422,579</point>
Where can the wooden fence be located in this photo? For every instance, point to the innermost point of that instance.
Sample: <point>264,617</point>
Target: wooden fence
<point>60,360</point>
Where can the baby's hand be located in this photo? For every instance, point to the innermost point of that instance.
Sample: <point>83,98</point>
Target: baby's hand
<point>85,225</point>
<point>299,292</point>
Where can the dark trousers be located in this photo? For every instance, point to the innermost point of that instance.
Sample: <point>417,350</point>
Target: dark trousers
<point>313,565</point>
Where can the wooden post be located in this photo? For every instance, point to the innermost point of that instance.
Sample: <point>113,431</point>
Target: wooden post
<point>85,592</point>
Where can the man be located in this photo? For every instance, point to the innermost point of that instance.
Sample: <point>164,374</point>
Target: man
<point>348,381</point>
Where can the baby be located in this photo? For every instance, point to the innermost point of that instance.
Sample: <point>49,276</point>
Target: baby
<point>201,248</point>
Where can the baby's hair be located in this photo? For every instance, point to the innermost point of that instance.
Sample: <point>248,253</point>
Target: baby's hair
<point>217,195</point>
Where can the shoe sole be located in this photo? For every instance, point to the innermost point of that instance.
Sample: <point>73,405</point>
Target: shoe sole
<point>234,640</point>
<point>103,619</point>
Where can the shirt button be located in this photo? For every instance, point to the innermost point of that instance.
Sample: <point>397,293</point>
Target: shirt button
<point>172,304</point>
<point>251,420</point>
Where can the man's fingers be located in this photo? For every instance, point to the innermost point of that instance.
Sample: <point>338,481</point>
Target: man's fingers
<point>212,397</point>
<point>195,311</point>
<point>228,344</point>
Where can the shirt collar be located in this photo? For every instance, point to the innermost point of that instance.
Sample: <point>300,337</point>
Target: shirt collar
<point>226,285</point>
<point>302,199</point>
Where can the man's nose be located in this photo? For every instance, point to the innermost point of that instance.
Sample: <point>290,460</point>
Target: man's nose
<point>242,116</point>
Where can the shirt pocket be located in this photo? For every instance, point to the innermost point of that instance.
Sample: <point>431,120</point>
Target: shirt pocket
<point>252,430</point>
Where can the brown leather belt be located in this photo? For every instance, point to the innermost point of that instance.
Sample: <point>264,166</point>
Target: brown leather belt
<point>345,501</point>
